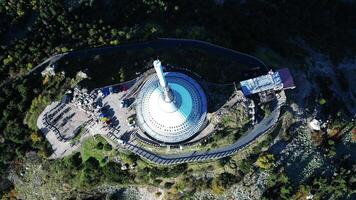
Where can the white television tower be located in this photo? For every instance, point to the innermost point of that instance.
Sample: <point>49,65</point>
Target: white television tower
<point>167,92</point>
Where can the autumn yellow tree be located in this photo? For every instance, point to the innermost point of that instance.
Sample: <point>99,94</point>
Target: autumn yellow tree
<point>35,137</point>
<point>265,161</point>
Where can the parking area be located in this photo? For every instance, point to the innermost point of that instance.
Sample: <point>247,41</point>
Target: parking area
<point>51,124</point>
<point>67,119</point>
<point>67,124</point>
<point>119,127</point>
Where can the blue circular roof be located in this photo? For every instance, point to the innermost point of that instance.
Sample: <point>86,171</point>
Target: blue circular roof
<point>171,122</point>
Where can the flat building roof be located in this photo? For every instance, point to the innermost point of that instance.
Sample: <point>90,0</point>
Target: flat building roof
<point>282,79</point>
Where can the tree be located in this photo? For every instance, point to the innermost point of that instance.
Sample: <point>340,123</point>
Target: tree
<point>35,137</point>
<point>224,161</point>
<point>302,193</point>
<point>122,76</point>
<point>265,161</point>
<point>75,161</point>
<point>246,165</point>
<point>322,101</point>
<point>42,153</point>
<point>113,173</point>
<point>14,132</point>
<point>285,192</point>
<point>222,182</point>
<point>91,173</point>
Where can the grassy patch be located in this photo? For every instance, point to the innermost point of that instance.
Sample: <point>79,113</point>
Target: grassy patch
<point>77,137</point>
<point>90,149</point>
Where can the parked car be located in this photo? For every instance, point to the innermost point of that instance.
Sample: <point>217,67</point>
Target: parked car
<point>122,103</point>
<point>131,122</point>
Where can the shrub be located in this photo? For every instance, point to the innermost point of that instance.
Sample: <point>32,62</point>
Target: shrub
<point>322,101</point>
<point>158,194</point>
<point>168,185</point>
<point>217,187</point>
<point>180,185</point>
<point>99,146</point>
<point>157,182</point>
<point>107,147</point>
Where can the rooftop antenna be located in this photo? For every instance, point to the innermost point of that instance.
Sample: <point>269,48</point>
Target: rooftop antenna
<point>167,92</point>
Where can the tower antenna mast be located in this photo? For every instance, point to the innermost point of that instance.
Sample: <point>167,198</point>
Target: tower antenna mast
<point>167,92</point>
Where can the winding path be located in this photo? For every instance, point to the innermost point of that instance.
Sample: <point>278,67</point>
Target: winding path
<point>261,128</point>
<point>159,43</point>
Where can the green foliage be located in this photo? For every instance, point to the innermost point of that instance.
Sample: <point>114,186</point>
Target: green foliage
<point>114,42</point>
<point>76,138</point>
<point>128,158</point>
<point>107,147</point>
<point>265,161</point>
<point>224,161</point>
<point>331,142</point>
<point>157,182</point>
<point>91,173</point>
<point>322,101</point>
<point>37,106</point>
<point>13,132</point>
<point>113,173</point>
<point>267,109</point>
<point>168,185</point>
<point>99,146</point>
<point>332,152</point>
<point>8,60</point>
<point>93,147</point>
<point>278,185</point>
<point>122,76</point>
<point>29,66</point>
<point>64,49</point>
<point>245,166</point>
<point>36,29</point>
<point>181,185</point>
<point>285,192</point>
<point>338,187</point>
<point>158,194</point>
<point>302,193</point>
<point>74,161</point>
<point>222,182</point>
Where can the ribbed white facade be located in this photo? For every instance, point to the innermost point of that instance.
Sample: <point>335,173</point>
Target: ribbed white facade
<point>176,121</point>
